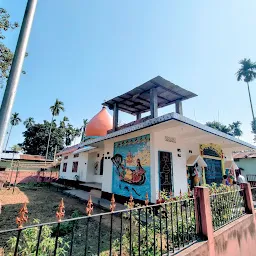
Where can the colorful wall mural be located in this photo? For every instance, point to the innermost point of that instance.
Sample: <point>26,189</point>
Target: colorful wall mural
<point>131,167</point>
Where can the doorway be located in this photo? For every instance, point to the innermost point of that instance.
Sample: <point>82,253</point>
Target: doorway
<point>213,171</point>
<point>165,171</point>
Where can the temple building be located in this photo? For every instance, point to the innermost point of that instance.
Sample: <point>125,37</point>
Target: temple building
<point>153,153</point>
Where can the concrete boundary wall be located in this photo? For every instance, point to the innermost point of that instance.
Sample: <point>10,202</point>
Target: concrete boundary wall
<point>24,176</point>
<point>237,238</point>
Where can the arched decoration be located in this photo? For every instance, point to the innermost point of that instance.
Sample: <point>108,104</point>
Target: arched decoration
<point>211,150</point>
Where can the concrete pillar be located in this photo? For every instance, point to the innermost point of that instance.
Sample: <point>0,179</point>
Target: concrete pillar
<point>178,107</point>
<point>115,117</point>
<point>153,103</point>
<point>138,116</point>
<point>249,209</point>
<point>204,216</point>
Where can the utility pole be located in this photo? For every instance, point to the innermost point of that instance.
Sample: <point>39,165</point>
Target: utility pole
<point>16,68</point>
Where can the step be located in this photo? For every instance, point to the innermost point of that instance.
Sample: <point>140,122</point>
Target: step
<point>95,193</point>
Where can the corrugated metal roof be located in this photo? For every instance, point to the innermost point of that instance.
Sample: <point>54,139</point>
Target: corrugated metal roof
<point>247,154</point>
<point>32,157</point>
<point>138,99</point>
<point>84,149</point>
<point>69,149</point>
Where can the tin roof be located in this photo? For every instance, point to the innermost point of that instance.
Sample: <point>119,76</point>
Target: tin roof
<point>69,150</point>
<point>138,99</point>
<point>246,154</point>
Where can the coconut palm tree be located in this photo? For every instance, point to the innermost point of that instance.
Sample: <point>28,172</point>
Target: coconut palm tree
<point>247,73</point>
<point>15,120</point>
<point>77,133</point>
<point>63,122</point>
<point>29,122</point>
<point>235,128</point>
<point>83,128</point>
<point>55,109</point>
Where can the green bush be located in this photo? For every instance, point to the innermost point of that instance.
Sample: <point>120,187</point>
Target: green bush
<point>178,222</point>
<point>66,227</point>
<point>28,242</point>
<point>227,204</point>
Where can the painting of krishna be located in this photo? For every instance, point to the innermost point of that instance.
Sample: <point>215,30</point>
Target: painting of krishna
<point>131,167</point>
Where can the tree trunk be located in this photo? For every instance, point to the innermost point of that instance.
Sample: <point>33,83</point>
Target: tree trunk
<point>250,100</point>
<point>46,155</point>
<point>11,171</point>
<point>8,139</point>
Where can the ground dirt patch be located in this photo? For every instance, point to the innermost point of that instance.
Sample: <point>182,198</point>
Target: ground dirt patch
<point>42,203</point>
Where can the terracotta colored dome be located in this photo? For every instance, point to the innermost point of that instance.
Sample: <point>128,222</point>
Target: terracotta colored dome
<point>99,124</point>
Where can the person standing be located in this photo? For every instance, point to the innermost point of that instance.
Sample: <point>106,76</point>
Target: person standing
<point>197,175</point>
<point>240,178</point>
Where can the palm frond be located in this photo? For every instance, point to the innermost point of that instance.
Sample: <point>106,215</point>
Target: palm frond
<point>15,119</point>
<point>247,71</point>
<point>57,107</point>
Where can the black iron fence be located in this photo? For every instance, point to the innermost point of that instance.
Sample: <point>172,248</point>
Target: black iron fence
<point>142,230</point>
<point>251,178</point>
<point>227,206</point>
<point>253,190</point>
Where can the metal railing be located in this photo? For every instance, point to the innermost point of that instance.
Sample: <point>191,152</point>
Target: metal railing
<point>251,178</point>
<point>144,230</point>
<point>253,190</point>
<point>227,207</point>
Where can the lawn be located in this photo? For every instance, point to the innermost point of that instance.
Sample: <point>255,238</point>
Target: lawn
<point>42,203</point>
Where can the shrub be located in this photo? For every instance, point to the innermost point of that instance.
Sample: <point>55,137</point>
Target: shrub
<point>176,219</point>
<point>28,242</point>
<point>66,227</point>
<point>227,204</point>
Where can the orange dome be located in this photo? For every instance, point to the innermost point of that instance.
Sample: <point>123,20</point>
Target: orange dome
<point>99,124</point>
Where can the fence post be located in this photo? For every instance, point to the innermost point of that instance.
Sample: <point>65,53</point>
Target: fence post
<point>248,198</point>
<point>204,216</point>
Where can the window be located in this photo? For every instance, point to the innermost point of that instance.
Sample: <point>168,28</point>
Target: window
<point>75,166</point>
<point>64,167</point>
<point>65,157</point>
<point>101,165</point>
<point>76,155</point>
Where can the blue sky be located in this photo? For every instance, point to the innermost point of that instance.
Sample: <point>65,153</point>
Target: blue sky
<point>84,52</point>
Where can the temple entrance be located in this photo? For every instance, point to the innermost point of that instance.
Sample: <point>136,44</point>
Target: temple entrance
<point>213,171</point>
<point>165,171</point>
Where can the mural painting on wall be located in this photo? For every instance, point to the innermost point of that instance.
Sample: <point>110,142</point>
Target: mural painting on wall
<point>213,156</point>
<point>131,167</point>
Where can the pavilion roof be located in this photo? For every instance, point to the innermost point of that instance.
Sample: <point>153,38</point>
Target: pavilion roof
<point>138,100</point>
